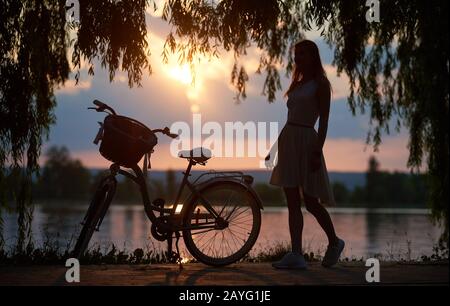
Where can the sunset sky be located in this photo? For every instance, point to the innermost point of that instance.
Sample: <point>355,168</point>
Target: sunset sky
<point>167,96</point>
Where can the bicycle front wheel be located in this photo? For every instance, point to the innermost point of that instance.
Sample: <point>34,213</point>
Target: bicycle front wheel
<point>100,202</point>
<point>227,239</point>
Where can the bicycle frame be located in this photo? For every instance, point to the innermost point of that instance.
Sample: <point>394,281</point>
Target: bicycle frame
<point>150,209</point>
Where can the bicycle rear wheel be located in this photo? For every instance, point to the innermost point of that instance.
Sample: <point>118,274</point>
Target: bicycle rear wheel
<point>97,209</point>
<point>222,245</point>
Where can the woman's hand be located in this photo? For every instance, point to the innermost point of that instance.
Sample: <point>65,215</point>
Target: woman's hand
<point>268,161</point>
<point>316,160</point>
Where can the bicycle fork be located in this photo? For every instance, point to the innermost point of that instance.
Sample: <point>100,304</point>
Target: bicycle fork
<point>109,183</point>
<point>102,216</point>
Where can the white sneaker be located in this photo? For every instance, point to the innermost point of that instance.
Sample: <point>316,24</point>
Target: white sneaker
<point>333,253</point>
<point>291,261</point>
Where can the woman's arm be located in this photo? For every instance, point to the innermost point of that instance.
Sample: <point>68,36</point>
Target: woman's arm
<point>324,96</point>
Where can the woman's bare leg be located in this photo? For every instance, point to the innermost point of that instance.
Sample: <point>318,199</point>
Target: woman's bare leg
<point>322,216</point>
<point>295,217</point>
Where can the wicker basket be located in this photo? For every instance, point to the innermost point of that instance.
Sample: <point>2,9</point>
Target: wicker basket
<point>125,140</point>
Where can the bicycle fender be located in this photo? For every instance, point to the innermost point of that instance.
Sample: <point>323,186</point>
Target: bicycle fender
<point>204,185</point>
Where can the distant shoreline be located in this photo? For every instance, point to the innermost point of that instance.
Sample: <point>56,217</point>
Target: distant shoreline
<point>351,179</point>
<point>267,208</point>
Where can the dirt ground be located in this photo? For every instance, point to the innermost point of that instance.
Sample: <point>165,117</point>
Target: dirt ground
<point>352,273</point>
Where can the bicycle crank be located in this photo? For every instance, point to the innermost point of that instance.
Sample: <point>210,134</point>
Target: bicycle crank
<point>159,232</point>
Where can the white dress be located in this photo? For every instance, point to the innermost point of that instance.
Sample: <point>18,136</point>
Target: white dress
<point>296,143</point>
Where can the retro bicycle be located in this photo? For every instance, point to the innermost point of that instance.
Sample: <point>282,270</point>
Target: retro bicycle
<point>219,220</point>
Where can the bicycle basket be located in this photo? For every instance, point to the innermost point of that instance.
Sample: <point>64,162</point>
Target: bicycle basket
<point>125,140</point>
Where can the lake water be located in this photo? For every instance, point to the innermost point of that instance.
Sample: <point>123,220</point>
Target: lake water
<point>406,233</point>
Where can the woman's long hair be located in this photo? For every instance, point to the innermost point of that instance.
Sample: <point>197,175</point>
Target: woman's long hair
<point>317,68</point>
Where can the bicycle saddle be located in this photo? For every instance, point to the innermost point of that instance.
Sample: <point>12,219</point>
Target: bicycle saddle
<point>198,155</point>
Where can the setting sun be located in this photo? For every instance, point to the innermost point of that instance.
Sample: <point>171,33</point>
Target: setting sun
<point>181,73</point>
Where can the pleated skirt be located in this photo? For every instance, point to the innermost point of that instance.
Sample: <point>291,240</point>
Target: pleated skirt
<point>293,169</point>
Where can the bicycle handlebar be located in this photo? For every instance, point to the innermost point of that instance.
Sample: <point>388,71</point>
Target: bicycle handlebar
<point>102,107</point>
<point>165,131</point>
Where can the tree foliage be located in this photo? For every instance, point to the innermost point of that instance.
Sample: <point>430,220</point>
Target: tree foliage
<point>398,67</point>
<point>34,44</point>
<point>205,27</point>
<point>32,63</point>
<point>63,177</point>
<point>114,34</point>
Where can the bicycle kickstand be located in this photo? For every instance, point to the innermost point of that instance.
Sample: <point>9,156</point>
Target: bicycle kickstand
<point>179,259</point>
<point>174,257</point>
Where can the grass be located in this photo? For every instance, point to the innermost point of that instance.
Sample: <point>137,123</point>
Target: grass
<point>276,252</point>
<point>51,253</point>
<point>93,256</point>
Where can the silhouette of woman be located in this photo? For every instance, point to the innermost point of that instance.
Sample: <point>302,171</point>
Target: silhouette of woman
<point>300,167</point>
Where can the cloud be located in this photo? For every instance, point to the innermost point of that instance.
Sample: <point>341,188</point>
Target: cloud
<point>121,77</point>
<point>71,88</point>
<point>158,5</point>
<point>344,154</point>
<point>340,83</point>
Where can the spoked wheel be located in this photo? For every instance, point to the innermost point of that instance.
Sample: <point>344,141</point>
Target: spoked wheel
<point>97,209</point>
<point>230,237</point>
